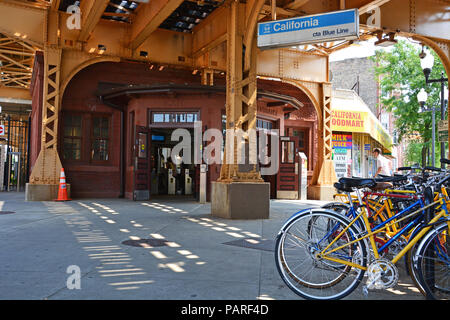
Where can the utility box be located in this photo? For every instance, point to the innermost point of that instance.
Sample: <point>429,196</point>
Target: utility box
<point>187,182</point>
<point>303,176</point>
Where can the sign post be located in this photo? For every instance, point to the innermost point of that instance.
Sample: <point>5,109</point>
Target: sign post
<point>330,26</point>
<point>443,131</point>
<point>303,181</point>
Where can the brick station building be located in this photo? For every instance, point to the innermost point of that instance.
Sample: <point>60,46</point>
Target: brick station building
<point>108,106</point>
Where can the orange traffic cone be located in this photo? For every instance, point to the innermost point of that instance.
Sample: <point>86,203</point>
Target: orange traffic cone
<point>62,192</point>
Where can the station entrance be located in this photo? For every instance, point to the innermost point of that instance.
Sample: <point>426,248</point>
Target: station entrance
<point>158,170</point>
<point>170,175</point>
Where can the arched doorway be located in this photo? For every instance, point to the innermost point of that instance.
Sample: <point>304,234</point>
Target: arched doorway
<point>298,127</point>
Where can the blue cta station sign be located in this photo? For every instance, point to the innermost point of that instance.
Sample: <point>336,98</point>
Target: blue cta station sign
<point>338,25</point>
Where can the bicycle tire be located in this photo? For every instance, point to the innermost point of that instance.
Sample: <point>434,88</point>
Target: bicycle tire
<point>433,262</point>
<point>321,281</point>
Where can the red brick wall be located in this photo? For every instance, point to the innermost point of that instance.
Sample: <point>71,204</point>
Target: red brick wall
<point>97,180</point>
<point>90,180</point>
<point>36,88</point>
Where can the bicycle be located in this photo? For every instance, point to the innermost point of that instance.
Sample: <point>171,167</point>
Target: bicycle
<point>334,252</point>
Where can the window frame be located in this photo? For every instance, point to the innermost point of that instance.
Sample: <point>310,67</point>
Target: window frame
<point>92,139</point>
<point>171,113</point>
<point>64,137</point>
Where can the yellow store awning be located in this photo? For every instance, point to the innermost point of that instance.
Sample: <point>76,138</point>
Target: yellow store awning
<point>349,113</point>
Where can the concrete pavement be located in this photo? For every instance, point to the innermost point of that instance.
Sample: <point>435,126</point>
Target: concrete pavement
<point>190,255</point>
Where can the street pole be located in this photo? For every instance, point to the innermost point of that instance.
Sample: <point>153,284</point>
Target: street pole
<point>442,116</point>
<point>433,136</point>
<point>442,81</point>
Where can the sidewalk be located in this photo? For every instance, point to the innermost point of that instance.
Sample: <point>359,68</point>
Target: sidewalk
<point>189,255</point>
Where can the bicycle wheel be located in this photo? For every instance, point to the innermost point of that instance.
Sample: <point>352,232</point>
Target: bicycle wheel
<point>411,263</point>
<point>338,207</point>
<point>411,268</point>
<point>317,278</point>
<point>433,262</point>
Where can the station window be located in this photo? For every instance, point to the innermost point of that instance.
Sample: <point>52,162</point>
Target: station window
<point>100,138</point>
<point>174,117</point>
<point>264,124</point>
<point>72,137</point>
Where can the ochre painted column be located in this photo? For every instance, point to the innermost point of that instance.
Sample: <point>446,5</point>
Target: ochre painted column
<point>44,179</point>
<point>240,192</point>
<point>324,175</point>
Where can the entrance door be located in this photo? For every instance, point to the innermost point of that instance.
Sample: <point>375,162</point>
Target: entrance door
<point>287,178</point>
<point>142,164</point>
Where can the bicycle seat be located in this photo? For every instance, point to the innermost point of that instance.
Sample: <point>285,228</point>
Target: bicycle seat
<point>347,184</point>
<point>391,178</point>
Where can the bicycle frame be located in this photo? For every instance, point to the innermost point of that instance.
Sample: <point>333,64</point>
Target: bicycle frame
<point>324,254</point>
<point>387,205</point>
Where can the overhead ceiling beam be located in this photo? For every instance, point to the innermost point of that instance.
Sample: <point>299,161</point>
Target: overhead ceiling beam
<point>2,56</point>
<point>371,5</point>
<point>12,95</point>
<point>149,18</point>
<point>92,11</point>
<point>16,52</point>
<point>296,4</point>
<point>55,4</point>
<point>211,45</point>
<point>280,11</point>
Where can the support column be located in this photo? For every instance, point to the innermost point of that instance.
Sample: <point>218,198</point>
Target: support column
<point>324,174</point>
<point>44,179</point>
<point>240,192</point>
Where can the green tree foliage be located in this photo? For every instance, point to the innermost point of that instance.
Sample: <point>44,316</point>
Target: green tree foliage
<point>401,78</point>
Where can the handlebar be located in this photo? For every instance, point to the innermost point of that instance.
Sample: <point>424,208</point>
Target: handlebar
<point>432,169</point>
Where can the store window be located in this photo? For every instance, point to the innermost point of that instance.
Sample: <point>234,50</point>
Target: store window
<point>72,140</point>
<point>357,155</point>
<point>100,139</point>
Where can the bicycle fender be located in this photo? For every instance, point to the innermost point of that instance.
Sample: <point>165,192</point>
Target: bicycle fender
<point>295,215</point>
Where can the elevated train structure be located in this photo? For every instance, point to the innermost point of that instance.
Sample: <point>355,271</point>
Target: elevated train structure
<point>105,75</point>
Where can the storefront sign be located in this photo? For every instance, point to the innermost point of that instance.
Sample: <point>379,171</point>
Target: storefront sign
<point>348,120</point>
<point>342,141</point>
<point>362,122</point>
<point>342,163</point>
<point>338,25</point>
<point>2,130</point>
<point>342,154</point>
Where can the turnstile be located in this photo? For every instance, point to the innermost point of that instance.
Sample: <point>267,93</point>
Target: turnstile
<point>171,182</point>
<point>187,182</point>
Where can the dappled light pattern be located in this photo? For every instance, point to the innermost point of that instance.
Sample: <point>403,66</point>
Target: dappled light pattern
<point>172,250</point>
<point>163,208</point>
<point>113,262</point>
<point>223,227</point>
